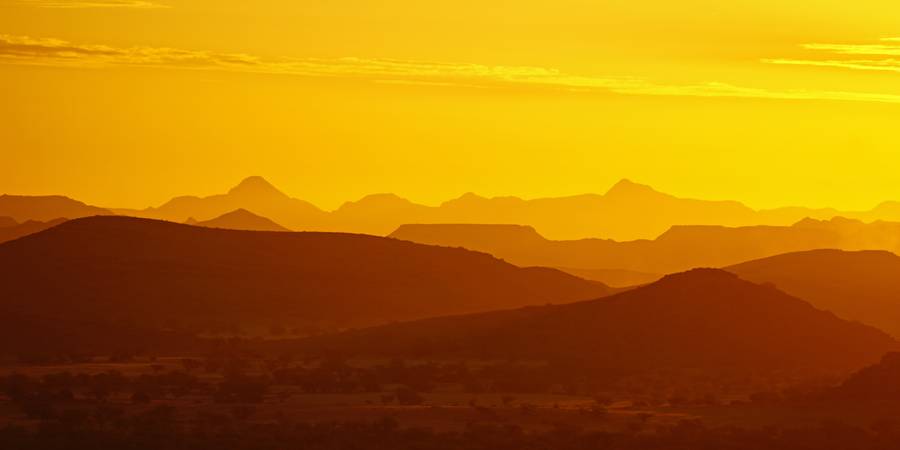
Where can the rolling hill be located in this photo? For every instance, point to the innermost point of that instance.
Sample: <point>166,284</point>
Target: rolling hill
<point>862,285</point>
<point>702,318</point>
<point>162,275</point>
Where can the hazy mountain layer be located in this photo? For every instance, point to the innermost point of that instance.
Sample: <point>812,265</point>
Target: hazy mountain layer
<point>680,248</point>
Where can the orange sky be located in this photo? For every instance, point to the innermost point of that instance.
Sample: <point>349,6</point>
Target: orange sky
<point>127,103</point>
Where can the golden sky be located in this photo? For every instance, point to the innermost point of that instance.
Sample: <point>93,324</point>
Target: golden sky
<point>127,103</point>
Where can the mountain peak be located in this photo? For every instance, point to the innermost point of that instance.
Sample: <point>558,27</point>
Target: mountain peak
<point>242,219</point>
<point>626,187</point>
<point>256,186</point>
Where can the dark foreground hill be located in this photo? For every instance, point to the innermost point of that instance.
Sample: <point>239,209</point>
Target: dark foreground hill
<point>162,275</point>
<point>879,383</point>
<point>702,318</point>
<point>862,286</point>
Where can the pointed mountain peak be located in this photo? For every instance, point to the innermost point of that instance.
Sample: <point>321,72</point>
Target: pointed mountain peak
<point>256,186</point>
<point>242,219</point>
<point>238,213</point>
<point>626,187</point>
<point>470,196</point>
<point>383,198</point>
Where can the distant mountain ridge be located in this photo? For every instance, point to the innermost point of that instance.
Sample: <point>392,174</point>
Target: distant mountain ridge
<point>680,248</point>
<point>703,318</point>
<point>252,194</point>
<point>627,211</point>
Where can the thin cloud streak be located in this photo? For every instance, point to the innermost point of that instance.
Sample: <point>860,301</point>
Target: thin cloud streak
<point>54,52</point>
<point>857,49</point>
<point>887,64</point>
<point>76,4</point>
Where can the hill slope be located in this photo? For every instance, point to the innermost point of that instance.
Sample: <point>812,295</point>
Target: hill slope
<point>879,383</point>
<point>701,318</point>
<point>241,219</point>
<point>862,285</point>
<point>162,274</point>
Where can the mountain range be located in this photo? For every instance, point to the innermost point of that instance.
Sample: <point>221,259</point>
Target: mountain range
<point>680,248</point>
<point>704,318</point>
<point>627,211</point>
<point>167,276</point>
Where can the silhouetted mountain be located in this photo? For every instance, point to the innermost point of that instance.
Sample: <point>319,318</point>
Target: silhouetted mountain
<point>241,219</point>
<point>253,194</point>
<point>44,208</point>
<point>26,228</point>
<point>679,248</point>
<point>862,285</point>
<point>701,318</point>
<point>378,214</point>
<point>626,211</point>
<point>157,274</point>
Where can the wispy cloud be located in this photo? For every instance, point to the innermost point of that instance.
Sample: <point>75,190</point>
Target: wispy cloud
<point>81,4</point>
<point>887,48</point>
<point>882,65</point>
<point>54,52</point>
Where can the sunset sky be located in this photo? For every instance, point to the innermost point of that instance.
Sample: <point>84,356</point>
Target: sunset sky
<point>127,103</point>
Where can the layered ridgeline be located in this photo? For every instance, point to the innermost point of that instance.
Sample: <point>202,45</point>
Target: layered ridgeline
<point>627,211</point>
<point>252,194</point>
<point>680,248</point>
<point>162,275</point>
<point>704,318</point>
<point>862,286</point>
